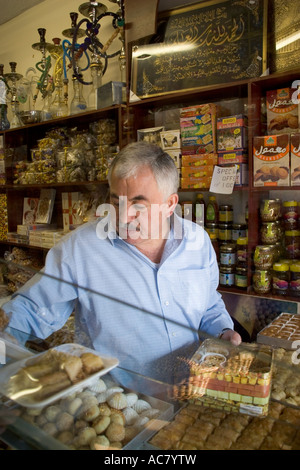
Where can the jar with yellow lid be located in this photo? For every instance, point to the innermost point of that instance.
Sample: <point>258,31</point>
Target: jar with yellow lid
<point>270,210</point>
<point>242,252</point>
<point>294,286</point>
<point>280,278</point>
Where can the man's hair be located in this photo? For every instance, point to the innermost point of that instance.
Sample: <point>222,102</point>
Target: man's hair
<point>139,154</point>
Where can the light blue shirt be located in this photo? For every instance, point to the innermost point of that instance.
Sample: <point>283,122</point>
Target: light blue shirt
<point>126,306</point>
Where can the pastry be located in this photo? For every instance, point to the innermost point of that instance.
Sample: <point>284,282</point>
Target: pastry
<point>100,424</point>
<point>118,401</point>
<point>91,363</point>
<point>64,421</point>
<point>115,432</point>
<point>99,443</point>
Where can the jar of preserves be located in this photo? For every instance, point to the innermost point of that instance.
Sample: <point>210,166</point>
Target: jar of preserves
<point>242,251</point>
<point>227,276</point>
<point>264,257</point>
<point>270,210</point>
<point>262,281</point>
<point>225,232</point>
<point>280,278</point>
<point>238,230</point>
<point>269,233</point>
<point>290,215</point>
<point>292,244</point>
<point>225,213</point>
<point>212,228</point>
<point>227,254</point>
<point>294,285</point>
<point>240,277</point>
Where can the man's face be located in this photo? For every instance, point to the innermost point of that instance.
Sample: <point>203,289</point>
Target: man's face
<point>141,211</point>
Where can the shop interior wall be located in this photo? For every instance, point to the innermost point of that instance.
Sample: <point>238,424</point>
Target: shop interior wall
<point>18,35</point>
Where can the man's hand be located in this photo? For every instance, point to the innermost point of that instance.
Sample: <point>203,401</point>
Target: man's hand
<point>232,336</point>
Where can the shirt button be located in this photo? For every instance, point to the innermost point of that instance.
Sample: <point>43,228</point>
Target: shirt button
<point>173,333</point>
<point>166,302</point>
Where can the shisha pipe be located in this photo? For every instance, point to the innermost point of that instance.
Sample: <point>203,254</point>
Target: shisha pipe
<point>44,83</point>
<point>91,42</point>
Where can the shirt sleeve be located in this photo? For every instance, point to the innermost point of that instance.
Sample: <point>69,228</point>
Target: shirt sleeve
<point>44,303</point>
<point>216,317</point>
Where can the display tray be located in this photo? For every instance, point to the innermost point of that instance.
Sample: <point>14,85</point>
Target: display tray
<point>30,397</point>
<point>282,332</point>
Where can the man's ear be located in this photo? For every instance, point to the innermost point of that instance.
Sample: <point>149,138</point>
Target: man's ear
<point>172,203</point>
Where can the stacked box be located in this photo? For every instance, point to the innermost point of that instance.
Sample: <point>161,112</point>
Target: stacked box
<point>232,141</point>
<point>2,162</point>
<point>271,160</point>
<point>197,170</point>
<point>295,159</point>
<point>282,111</point>
<point>170,143</point>
<point>72,213</point>
<point>198,129</point>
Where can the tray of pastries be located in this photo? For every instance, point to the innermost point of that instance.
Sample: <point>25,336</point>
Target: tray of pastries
<point>103,415</point>
<point>41,379</point>
<point>282,332</point>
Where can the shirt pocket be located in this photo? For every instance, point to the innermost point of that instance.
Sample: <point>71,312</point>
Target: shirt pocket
<point>195,285</point>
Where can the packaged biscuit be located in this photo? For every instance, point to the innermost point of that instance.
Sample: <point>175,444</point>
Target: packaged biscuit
<point>234,156</point>
<point>232,133</point>
<point>200,160</point>
<point>295,159</point>
<point>197,171</point>
<point>198,129</point>
<point>202,182</point>
<point>282,111</point>
<point>271,160</point>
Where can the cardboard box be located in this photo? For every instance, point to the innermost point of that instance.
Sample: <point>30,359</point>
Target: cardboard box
<point>150,134</point>
<point>195,183</point>
<point>199,160</point>
<point>282,111</point>
<point>295,159</point>
<point>176,156</point>
<point>198,129</point>
<point>271,160</point>
<point>282,332</point>
<point>236,156</point>
<point>170,140</point>
<point>232,133</point>
<point>109,94</point>
<point>237,120</point>
<point>197,171</point>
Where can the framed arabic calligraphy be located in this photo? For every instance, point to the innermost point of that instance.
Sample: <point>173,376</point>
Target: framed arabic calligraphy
<point>202,45</point>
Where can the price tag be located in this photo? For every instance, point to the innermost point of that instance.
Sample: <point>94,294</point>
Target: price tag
<point>223,179</point>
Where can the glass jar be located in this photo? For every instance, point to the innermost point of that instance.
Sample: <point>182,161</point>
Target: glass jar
<point>269,233</point>
<point>262,281</point>
<point>292,244</point>
<point>264,257</point>
<point>280,278</point>
<point>238,230</point>
<point>225,232</point>
<point>212,228</point>
<point>227,276</point>
<point>290,215</point>
<point>225,213</point>
<point>270,210</point>
<point>227,254</point>
<point>240,277</point>
<point>242,251</point>
<point>294,285</point>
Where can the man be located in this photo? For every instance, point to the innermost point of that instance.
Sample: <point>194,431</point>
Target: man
<point>142,281</point>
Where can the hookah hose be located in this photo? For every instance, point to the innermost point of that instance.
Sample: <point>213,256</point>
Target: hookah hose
<point>44,69</point>
<point>66,55</point>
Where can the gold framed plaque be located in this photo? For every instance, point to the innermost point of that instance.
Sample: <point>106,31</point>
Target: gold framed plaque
<point>202,45</point>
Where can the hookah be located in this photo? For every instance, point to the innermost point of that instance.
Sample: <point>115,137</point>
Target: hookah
<point>4,122</point>
<point>66,46</point>
<point>58,106</point>
<point>45,82</point>
<point>95,12</point>
<point>14,77</point>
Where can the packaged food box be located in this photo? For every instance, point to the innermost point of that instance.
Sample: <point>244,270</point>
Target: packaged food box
<point>271,160</point>
<point>150,134</point>
<point>170,139</point>
<point>282,332</point>
<point>295,159</point>
<point>176,156</point>
<point>110,94</point>
<point>197,171</point>
<point>229,377</point>
<point>282,111</point>
<point>196,183</point>
<point>198,129</point>
<point>235,156</point>
<point>232,133</point>
<point>199,160</point>
<point>242,173</point>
